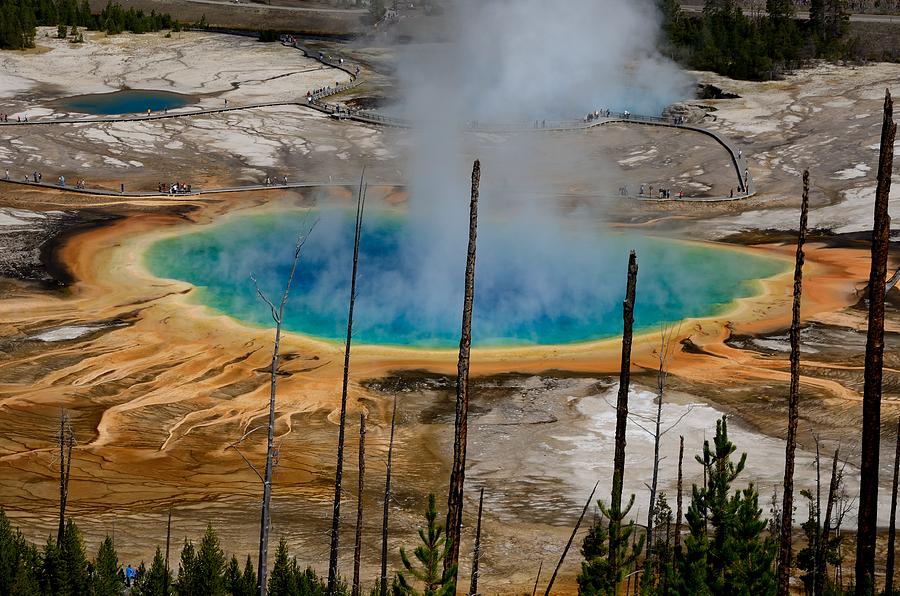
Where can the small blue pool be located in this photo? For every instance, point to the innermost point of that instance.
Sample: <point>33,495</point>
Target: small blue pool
<point>127,101</point>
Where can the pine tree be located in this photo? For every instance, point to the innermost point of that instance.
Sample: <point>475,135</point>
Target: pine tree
<point>19,561</point>
<point>106,570</point>
<point>431,554</point>
<point>53,572</point>
<point>282,580</point>
<point>808,559</point>
<point>726,552</point>
<point>658,574</point>
<point>598,576</point>
<point>9,554</point>
<point>74,560</point>
<point>249,578</point>
<point>26,581</point>
<point>233,576</point>
<point>209,566</point>
<point>240,584</point>
<point>155,582</point>
<point>186,570</point>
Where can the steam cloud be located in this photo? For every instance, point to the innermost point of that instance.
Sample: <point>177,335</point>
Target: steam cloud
<point>546,272</point>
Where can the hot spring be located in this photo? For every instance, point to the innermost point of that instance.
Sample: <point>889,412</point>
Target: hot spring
<point>126,101</point>
<point>533,286</point>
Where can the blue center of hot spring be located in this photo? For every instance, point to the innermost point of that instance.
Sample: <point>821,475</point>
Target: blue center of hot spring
<point>127,101</point>
<point>535,285</point>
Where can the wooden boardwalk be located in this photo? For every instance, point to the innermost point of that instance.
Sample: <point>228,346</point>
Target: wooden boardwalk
<point>316,100</point>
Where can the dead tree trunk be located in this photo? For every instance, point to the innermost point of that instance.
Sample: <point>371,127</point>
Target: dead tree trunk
<point>678,496</point>
<point>537,578</point>
<point>339,469</point>
<point>871,426</point>
<point>387,501</point>
<point>277,313</point>
<point>787,506</point>
<point>473,586</point>
<point>168,541</point>
<point>661,375</point>
<point>822,565</point>
<point>622,415</point>
<point>357,547</point>
<point>66,440</point>
<point>892,528</point>
<point>458,473</point>
<point>569,543</point>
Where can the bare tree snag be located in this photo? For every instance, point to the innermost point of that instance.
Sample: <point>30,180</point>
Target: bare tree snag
<point>892,527</point>
<point>562,557</point>
<point>339,468</point>
<point>783,570</point>
<point>66,440</point>
<point>871,426</point>
<point>168,540</point>
<point>622,413</point>
<point>277,313</point>
<point>822,564</point>
<point>357,546</point>
<point>678,516</point>
<point>537,578</point>
<point>458,473</point>
<point>663,357</point>
<point>387,502</point>
<point>473,586</point>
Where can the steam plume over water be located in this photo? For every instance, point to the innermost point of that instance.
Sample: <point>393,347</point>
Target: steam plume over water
<point>545,273</point>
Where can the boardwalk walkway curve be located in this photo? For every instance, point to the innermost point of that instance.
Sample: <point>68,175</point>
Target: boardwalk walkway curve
<point>315,100</point>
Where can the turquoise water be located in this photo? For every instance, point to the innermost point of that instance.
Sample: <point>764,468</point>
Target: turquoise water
<point>533,285</point>
<point>128,101</point>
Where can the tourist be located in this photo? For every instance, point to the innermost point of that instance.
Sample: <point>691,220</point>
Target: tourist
<point>285,180</point>
<point>740,153</point>
<point>7,173</point>
<point>40,176</point>
<point>731,194</point>
<point>122,188</point>
<point>62,180</point>
<point>34,176</point>
<point>641,191</point>
<point>129,575</point>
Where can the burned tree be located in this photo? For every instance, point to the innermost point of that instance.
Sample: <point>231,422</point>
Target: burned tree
<point>562,557</point>
<point>622,415</point>
<point>678,515</point>
<point>277,313</point>
<point>357,547</point>
<point>787,506</point>
<point>473,586</point>
<point>387,501</point>
<point>892,528</point>
<point>871,423</point>
<point>65,441</point>
<point>458,472</point>
<point>664,357</point>
<point>339,468</point>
